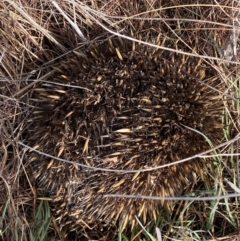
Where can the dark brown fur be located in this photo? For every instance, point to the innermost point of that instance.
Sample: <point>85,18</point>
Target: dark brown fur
<point>132,114</point>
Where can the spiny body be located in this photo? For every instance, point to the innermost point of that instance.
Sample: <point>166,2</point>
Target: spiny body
<point>130,109</point>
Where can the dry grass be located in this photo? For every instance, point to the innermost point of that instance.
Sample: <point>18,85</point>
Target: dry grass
<point>33,34</point>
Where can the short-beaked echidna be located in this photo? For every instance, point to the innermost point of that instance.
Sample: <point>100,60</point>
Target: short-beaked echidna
<point>124,106</point>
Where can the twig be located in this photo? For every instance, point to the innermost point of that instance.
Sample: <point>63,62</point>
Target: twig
<point>152,44</point>
<point>36,25</point>
<point>74,25</point>
<point>138,196</point>
<point>132,171</point>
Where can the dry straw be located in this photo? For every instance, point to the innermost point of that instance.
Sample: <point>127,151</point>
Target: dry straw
<point>45,46</point>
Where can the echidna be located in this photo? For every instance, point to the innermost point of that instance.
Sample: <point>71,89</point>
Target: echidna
<point>121,105</point>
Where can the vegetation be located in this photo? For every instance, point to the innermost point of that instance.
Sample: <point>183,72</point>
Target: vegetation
<point>35,34</point>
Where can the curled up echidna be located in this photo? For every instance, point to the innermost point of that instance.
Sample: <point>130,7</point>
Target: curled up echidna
<point>123,106</point>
